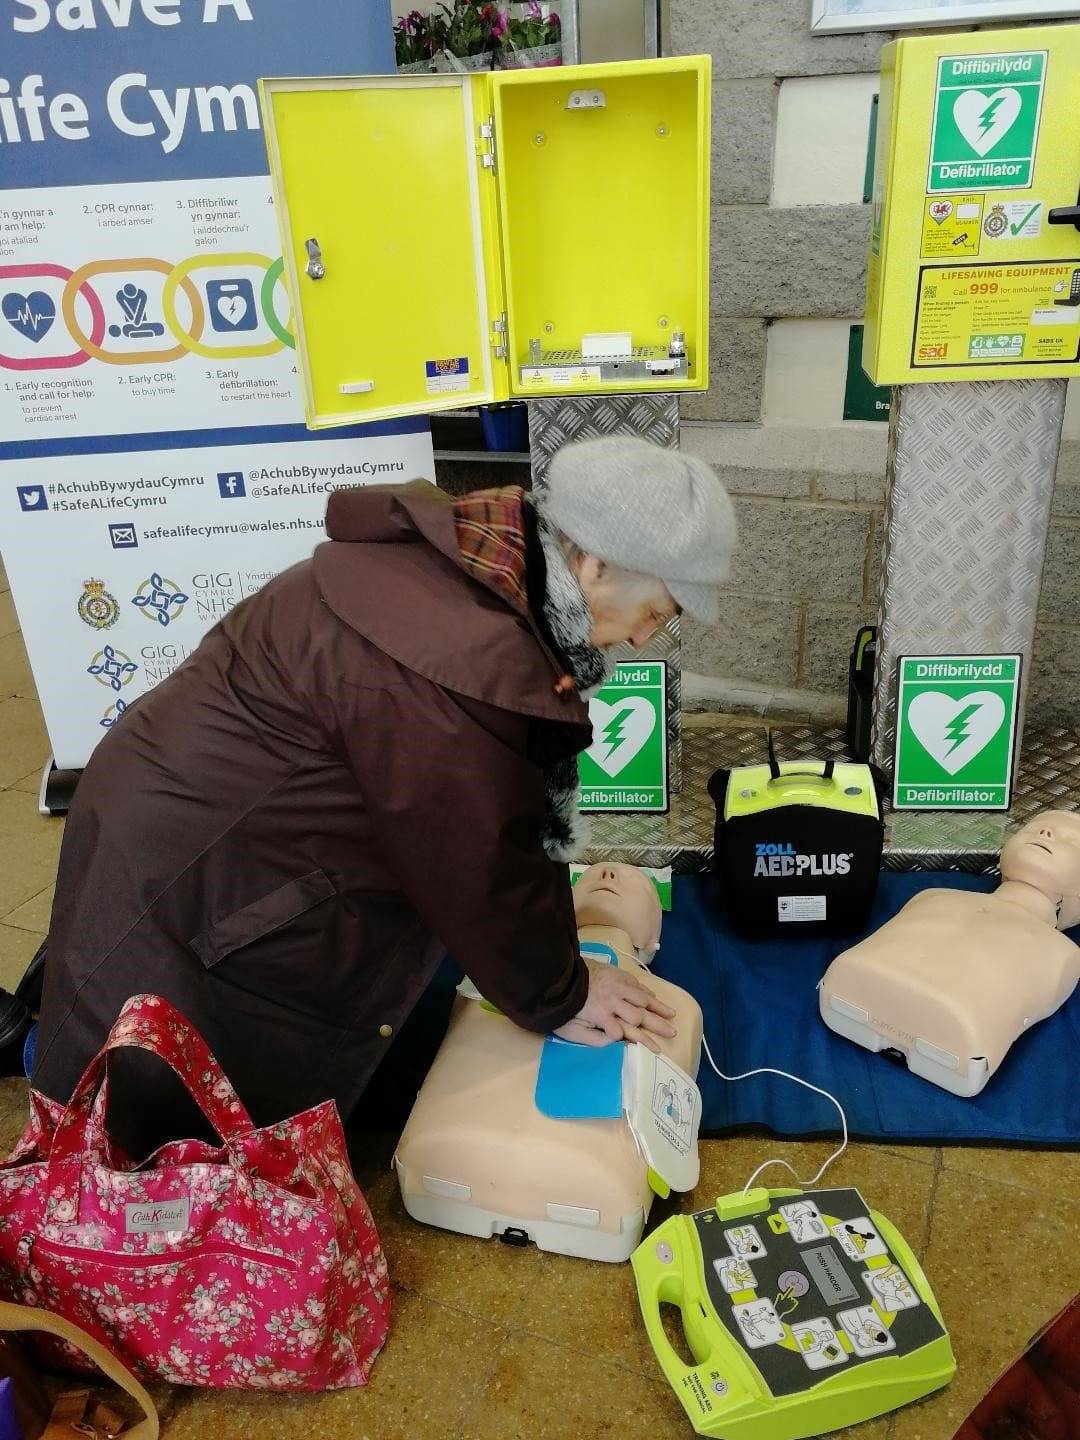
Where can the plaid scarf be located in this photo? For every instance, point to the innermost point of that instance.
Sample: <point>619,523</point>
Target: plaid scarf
<point>492,541</point>
<point>491,538</point>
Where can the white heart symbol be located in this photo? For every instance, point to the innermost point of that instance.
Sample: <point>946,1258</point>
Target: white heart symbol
<point>232,307</point>
<point>984,119</point>
<point>955,730</point>
<point>620,730</point>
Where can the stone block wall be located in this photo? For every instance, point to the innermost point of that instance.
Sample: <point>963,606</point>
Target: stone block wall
<point>791,117</point>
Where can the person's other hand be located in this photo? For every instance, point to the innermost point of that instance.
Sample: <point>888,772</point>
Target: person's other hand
<point>619,1007</point>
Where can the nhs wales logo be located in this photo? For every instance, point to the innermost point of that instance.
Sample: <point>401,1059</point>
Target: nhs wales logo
<point>160,599</point>
<point>112,667</point>
<point>112,714</point>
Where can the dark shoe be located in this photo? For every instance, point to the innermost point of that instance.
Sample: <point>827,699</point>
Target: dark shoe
<point>15,1022</point>
<point>30,986</point>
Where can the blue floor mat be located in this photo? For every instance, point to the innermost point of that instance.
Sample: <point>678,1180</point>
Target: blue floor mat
<point>761,1008</point>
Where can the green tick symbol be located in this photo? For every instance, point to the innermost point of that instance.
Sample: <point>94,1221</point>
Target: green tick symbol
<point>1021,223</point>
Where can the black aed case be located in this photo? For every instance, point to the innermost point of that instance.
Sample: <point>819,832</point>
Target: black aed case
<point>798,846</point>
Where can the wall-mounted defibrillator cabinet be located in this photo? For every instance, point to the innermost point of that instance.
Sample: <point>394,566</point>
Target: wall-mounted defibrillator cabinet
<point>973,280</point>
<point>450,240</point>
<point>974,266</point>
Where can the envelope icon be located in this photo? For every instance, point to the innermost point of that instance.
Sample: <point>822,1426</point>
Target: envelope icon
<point>122,536</point>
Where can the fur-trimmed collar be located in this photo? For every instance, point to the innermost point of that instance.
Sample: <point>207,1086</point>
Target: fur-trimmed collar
<point>563,610</point>
<point>563,615</point>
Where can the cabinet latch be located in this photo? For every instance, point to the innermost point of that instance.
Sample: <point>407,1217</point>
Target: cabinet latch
<point>487,134</point>
<point>499,340</point>
<point>314,268</point>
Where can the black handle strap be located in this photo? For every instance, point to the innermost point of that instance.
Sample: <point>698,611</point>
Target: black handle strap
<point>776,773</point>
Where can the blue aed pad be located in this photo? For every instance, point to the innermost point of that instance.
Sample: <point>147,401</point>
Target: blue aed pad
<point>580,1082</point>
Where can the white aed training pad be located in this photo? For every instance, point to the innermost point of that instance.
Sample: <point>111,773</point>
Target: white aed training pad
<point>663,1109</point>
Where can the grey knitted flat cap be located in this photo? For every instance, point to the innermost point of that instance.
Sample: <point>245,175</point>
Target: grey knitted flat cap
<point>657,512</point>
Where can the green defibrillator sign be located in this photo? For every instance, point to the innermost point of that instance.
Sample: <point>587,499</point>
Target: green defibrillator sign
<point>626,767</point>
<point>986,121</point>
<point>956,723</point>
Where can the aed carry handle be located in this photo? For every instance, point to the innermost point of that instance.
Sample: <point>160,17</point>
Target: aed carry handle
<point>777,775</point>
<point>664,1282</point>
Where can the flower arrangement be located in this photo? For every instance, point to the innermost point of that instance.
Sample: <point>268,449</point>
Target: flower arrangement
<point>418,38</point>
<point>473,28</point>
<point>535,29</point>
<point>470,28</point>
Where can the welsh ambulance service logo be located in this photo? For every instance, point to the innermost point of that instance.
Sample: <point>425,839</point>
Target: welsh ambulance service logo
<point>997,222</point>
<point>97,608</point>
<point>112,667</point>
<point>160,599</point>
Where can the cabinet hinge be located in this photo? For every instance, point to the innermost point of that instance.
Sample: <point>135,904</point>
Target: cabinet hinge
<point>499,339</point>
<point>487,135</point>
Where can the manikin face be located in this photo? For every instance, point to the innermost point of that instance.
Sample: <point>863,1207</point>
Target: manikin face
<point>626,608</point>
<point>623,897</point>
<point>1045,853</point>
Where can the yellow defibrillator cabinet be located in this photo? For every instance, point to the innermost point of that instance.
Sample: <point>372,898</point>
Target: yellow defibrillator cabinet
<point>450,240</point>
<point>974,267</point>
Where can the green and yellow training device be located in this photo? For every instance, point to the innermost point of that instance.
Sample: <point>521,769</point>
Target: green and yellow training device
<point>805,1311</point>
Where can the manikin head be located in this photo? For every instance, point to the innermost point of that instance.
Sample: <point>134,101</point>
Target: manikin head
<point>1045,854</point>
<point>624,898</point>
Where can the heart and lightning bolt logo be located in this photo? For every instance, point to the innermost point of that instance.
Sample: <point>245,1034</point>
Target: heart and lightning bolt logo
<point>613,733</point>
<point>984,120</point>
<point>954,730</point>
<point>620,731</point>
<point>957,730</point>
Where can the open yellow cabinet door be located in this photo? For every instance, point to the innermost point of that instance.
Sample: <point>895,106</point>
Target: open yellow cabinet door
<point>388,222</point>
<point>603,181</point>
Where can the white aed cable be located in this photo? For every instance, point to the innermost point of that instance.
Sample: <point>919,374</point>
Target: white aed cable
<point>768,1070</point>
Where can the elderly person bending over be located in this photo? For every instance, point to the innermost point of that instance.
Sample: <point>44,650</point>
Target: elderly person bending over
<point>371,762</point>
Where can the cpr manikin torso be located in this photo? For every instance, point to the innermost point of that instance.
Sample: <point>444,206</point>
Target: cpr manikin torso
<point>955,978</point>
<point>477,1156</point>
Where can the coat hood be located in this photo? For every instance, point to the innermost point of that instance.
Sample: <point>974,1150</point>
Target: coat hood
<point>393,571</point>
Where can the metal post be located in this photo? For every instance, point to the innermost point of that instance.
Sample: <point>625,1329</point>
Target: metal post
<point>570,16</point>
<point>653,44</point>
<point>969,481</point>
<point>555,423</point>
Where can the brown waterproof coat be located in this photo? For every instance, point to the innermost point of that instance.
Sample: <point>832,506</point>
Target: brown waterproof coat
<point>344,781</point>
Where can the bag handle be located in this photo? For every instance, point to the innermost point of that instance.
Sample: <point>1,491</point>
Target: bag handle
<point>825,774</point>
<point>776,774</point>
<point>151,1023</point>
<point>26,1317</point>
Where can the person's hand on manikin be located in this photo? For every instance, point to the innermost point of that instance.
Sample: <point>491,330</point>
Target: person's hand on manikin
<point>619,1007</point>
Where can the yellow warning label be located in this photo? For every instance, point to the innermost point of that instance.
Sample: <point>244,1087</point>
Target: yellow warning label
<point>952,225</point>
<point>997,314</point>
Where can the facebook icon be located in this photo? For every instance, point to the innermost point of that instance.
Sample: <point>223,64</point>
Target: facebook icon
<point>230,484</point>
